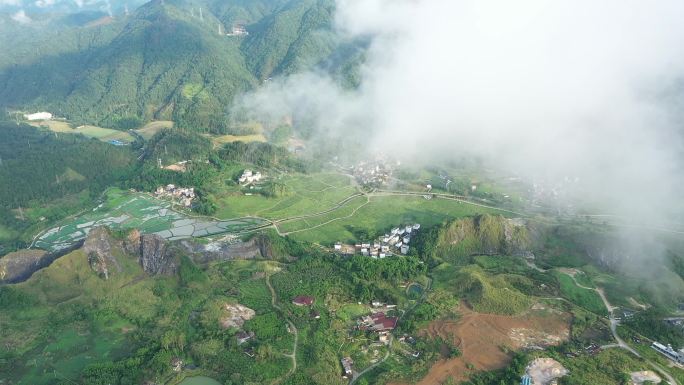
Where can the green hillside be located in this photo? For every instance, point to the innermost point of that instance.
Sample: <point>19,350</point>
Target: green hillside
<point>163,62</point>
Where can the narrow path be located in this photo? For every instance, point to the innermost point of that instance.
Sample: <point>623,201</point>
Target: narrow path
<point>319,213</point>
<point>330,221</point>
<point>293,355</point>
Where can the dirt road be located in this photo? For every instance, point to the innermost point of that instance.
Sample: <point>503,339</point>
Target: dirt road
<point>293,328</point>
<point>620,342</point>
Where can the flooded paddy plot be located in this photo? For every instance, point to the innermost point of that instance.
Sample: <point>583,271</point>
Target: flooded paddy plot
<point>125,210</point>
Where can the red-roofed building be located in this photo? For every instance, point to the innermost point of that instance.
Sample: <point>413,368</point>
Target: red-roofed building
<point>303,300</point>
<point>380,322</point>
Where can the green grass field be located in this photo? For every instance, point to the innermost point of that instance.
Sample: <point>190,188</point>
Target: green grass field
<point>100,133</point>
<point>321,192</point>
<point>307,194</point>
<point>587,299</point>
<point>151,128</point>
<point>384,212</point>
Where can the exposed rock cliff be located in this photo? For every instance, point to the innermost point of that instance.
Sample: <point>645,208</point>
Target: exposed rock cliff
<point>154,254</point>
<point>18,266</point>
<point>156,257</point>
<point>257,247</point>
<point>99,247</point>
<point>484,234</point>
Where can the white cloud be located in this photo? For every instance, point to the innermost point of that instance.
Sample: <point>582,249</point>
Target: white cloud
<point>44,3</point>
<point>21,17</point>
<point>548,89</point>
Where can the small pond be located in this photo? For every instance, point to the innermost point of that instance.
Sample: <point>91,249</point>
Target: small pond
<point>415,290</point>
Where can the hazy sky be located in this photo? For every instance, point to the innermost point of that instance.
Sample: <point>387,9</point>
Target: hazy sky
<point>583,89</point>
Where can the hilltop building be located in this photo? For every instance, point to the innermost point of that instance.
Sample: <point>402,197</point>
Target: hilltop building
<point>238,30</point>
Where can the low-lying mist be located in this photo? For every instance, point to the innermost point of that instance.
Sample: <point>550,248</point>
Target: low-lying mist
<point>585,90</point>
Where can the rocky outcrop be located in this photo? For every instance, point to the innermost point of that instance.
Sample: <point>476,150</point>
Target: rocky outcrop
<point>132,242</point>
<point>20,265</point>
<point>156,257</point>
<point>484,234</point>
<point>99,247</point>
<point>255,248</point>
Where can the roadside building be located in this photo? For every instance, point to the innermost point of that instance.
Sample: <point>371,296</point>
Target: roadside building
<point>347,366</point>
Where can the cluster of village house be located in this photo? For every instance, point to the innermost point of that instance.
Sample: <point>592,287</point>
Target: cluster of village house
<point>377,322</point>
<point>396,241</point>
<point>248,177</point>
<point>375,173</point>
<point>184,196</point>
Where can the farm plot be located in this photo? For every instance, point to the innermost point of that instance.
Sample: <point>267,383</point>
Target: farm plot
<point>123,210</point>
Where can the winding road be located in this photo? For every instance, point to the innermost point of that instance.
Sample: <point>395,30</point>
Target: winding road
<point>613,329</point>
<point>293,328</point>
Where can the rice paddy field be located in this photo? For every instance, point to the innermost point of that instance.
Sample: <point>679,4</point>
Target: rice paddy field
<point>128,210</point>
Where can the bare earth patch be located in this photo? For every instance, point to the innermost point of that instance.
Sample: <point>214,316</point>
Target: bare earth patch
<point>237,315</point>
<point>544,371</point>
<point>639,378</point>
<point>481,338</point>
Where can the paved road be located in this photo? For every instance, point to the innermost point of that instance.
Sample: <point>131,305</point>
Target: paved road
<point>620,342</point>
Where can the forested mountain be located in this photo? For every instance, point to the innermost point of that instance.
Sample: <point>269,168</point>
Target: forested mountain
<point>46,7</point>
<point>165,60</point>
<point>47,176</point>
<point>40,166</point>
